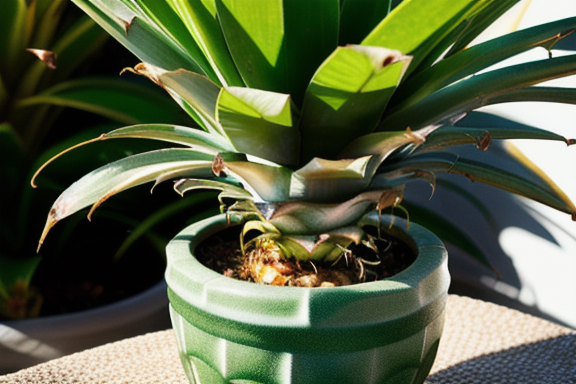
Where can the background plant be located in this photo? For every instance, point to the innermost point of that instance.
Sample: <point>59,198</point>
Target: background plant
<point>312,119</point>
<point>55,90</point>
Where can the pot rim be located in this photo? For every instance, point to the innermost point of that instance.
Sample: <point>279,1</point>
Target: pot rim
<point>354,317</point>
<point>208,289</point>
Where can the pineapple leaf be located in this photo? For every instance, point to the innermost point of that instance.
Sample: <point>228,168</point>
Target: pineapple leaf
<point>259,123</point>
<point>145,41</point>
<point>194,138</point>
<point>479,23</point>
<point>104,182</point>
<point>383,144</point>
<point>536,94</point>
<point>162,14</point>
<point>461,36</point>
<point>270,183</point>
<point>359,17</point>
<point>415,28</point>
<point>510,171</point>
<point>202,23</point>
<point>447,136</point>
<point>479,90</point>
<point>309,218</point>
<point>326,248</point>
<point>479,57</point>
<point>226,189</point>
<point>331,180</point>
<point>277,45</point>
<point>347,97</point>
<point>195,93</point>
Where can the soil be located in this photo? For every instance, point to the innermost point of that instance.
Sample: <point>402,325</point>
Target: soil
<point>222,254</point>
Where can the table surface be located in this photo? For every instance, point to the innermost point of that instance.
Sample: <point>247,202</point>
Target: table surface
<point>482,343</point>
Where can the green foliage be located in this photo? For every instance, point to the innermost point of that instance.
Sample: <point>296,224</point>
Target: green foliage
<point>317,133</point>
<point>45,49</point>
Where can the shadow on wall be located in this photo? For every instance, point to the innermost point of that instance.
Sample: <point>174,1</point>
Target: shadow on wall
<point>548,361</point>
<point>485,224</point>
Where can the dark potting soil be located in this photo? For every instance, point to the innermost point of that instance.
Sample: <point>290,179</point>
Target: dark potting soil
<point>222,254</point>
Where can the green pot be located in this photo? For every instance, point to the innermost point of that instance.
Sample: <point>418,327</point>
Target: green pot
<point>232,331</point>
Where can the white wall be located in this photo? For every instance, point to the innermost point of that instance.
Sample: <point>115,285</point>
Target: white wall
<point>547,270</point>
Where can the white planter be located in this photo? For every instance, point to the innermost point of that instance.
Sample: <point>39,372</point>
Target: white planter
<point>24,343</point>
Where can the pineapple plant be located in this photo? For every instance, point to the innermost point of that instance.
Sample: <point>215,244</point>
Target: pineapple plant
<point>305,123</point>
<point>313,118</point>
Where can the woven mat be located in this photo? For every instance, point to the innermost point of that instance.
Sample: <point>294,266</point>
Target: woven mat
<point>482,343</point>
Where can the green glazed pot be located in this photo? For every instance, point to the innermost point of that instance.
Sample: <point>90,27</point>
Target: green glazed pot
<point>231,331</point>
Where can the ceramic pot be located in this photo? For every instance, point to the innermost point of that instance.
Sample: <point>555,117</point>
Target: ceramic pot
<point>232,331</point>
<point>24,343</point>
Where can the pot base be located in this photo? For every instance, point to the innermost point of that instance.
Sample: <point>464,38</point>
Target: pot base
<point>210,359</point>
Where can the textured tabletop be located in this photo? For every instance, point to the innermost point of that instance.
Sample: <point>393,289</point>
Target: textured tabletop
<point>482,343</point>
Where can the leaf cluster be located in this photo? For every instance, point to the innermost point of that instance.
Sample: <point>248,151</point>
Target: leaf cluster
<point>319,111</point>
<point>46,51</point>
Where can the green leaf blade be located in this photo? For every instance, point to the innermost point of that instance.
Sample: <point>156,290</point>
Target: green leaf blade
<point>347,97</point>
<point>148,43</point>
<point>186,136</point>
<point>416,27</point>
<point>104,182</point>
<point>477,91</point>
<point>359,17</point>
<point>506,169</point>
<point>121,101</point>
<point>163,15</point>
<point>331,181</point>
<point>196,94</point>
<point>277,45</point>
<point>267,183</point>
<point>202,23</point>
<point>448,136</point>
<point>260,123</point>
<point>479,57</point>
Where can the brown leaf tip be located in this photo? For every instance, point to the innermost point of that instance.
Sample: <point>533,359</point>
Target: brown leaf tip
<point>48,57</point>
<point>388,60</point>
<point>127,25</point>
<point>570,141</point>
<point>483,141</point>
<point>218,165</point>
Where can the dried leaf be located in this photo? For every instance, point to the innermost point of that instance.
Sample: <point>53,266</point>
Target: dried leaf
<point>483,141</point>
<point>218,165</point>
<point>48,57</point>
<point>151,72</point>
<point>127,25</point>
<point>391,197</point>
